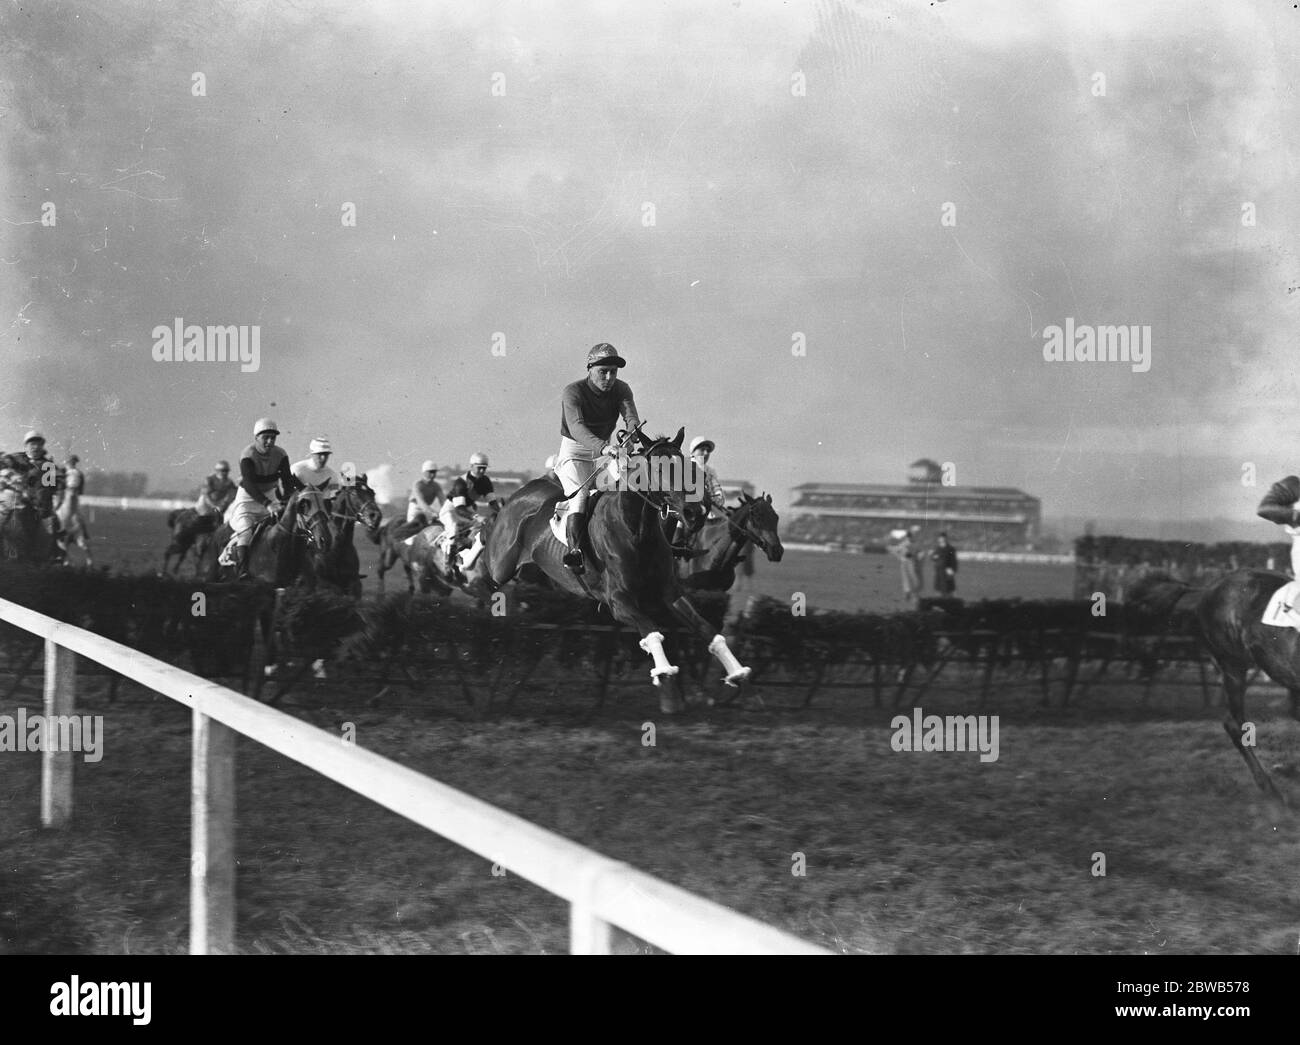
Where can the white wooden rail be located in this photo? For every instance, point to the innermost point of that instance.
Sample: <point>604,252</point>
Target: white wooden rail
<point>602,892</point>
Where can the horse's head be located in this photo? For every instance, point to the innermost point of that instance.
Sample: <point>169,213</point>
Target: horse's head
<point>658,469</point>
<point>307,515</point>
<point>357,503</point>
<point>758,519</point>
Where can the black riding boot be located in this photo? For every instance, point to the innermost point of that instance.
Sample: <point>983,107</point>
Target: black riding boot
<point>575,529</point>
<point>241,562</point>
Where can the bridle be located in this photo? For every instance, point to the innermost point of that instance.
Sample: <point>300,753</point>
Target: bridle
<point>355,518</point>
<point>746,533</point>
<point>301,525</point>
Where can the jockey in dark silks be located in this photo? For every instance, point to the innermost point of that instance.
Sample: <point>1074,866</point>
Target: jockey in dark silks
<point>592,409</point>
<point>458,511</point>
<point>36,475</point>
<point>1279,506</point>
<point>263,473</point>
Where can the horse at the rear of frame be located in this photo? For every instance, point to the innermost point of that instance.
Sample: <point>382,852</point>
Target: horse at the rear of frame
<point>189,530</point>
<point>1229,615</point>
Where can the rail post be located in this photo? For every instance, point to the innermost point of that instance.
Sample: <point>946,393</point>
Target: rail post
<point>56,764</point>
<point>212,816</point>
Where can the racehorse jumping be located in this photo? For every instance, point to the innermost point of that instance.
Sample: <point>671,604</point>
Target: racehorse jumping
<point>339,566</point>
<point>281,547</point>
<point>190,530</point>
<point>723,542</point>
<point>630,567</point>
<point>1229,616</point>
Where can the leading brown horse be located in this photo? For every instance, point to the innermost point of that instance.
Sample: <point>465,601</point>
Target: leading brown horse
<point>1229,615</point>
<point>629,565</point>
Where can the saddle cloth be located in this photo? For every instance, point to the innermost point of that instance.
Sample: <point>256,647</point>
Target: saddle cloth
<point>1282,610</point>
<point>606,478</point>
<point>561,514</point>
<point>227,556</point>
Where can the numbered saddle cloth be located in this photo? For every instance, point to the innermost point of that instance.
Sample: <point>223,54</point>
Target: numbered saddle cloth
<point>1283,610</point>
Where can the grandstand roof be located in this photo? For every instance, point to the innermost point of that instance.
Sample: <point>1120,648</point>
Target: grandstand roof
<point>912,490</point>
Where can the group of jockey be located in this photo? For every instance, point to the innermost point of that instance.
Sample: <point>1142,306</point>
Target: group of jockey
<point>456,509</point>
<point>54,490</point>
<point>592,409</point>
<point>267,480</point>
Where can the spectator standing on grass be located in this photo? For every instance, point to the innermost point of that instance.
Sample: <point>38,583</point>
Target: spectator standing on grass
<point>945,566</point>
<point>906,550</point>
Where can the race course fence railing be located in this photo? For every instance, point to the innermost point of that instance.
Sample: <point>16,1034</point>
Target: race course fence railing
<point>602,892</point>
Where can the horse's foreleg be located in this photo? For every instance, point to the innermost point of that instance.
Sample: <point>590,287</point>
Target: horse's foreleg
<point>1234,724</point>
<point>736,672</point>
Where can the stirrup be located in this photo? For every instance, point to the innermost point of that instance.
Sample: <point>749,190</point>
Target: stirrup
<point>573,560</point>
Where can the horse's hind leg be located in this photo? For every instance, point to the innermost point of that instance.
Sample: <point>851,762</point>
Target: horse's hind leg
<point>1234,724</point>
<point>626,610</point>
<point>736,672</point>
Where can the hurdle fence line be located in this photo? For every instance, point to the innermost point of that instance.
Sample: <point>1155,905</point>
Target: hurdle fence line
<point>602,892</point>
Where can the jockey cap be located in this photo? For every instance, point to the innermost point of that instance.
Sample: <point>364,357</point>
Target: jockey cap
<point>701,443</point>
<point>33,437</point>
<point>479,458</point>
<point>428,466</point>
<point>320,445</point>
<point>604,355</point>
<point>221,466</point>
<point>550,462</point>
<point>73,459</point>
<point>265,424</point>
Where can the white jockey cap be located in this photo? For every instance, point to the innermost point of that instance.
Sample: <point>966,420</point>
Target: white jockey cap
<point>550,462</point>
<point>700,442</point>
<point>33,436</point>
<point>221,466</point>
<point>320,445</point>
<point>479,458</point>
<point>265,424</point>
<point>428,466</point>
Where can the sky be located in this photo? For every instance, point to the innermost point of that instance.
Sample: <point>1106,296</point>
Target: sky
<point>831,236</point>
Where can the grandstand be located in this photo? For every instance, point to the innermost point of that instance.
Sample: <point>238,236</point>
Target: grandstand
<point>862,515</point>
<point>733,488</point>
